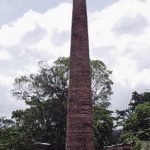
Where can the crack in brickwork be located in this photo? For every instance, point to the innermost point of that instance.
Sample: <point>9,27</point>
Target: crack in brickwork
<point>80,134</point>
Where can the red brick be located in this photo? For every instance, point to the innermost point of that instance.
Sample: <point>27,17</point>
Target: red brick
<point>80,134</point>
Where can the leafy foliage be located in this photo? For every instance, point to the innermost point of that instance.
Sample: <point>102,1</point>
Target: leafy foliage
<point>136,119</point>
<point>45,95</point>
<point>103,124</point>
<point>138,122</point>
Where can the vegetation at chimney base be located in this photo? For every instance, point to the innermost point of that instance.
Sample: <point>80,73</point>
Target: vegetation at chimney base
<point>44,120</point>
<point>135,120</point>
<point>45,94</point>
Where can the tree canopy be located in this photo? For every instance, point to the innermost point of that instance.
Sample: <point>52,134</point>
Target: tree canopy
<point>45,94</point>
<point>136,118</point>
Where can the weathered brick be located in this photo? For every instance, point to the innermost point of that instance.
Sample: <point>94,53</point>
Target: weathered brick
<point>80,134</point>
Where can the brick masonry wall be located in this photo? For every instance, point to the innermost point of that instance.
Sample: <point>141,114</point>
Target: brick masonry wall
<point>80,134</point>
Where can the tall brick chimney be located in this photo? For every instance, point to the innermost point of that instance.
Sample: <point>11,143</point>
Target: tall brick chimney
<point>80,134</point>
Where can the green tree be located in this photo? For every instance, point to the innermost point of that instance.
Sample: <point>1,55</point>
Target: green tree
<point>138,122</point>
<point>45,94</point>
<point>6,123</point>
<point>138,99</point>
<point>10,136</point>
<point>136,119</point>
<point>103,124</point>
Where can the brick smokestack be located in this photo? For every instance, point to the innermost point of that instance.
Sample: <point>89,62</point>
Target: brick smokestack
<point>80,134</point>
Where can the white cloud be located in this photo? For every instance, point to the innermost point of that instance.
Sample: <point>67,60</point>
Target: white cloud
<point>119,35</point>
<point>5,55</point>
<point>12,33</point>
<point>54,19</point>
<point>126,25</point>
<point>5,80</point>
<point>31,38</point>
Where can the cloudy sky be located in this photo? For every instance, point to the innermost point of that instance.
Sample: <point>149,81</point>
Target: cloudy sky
<point>34,30</point>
